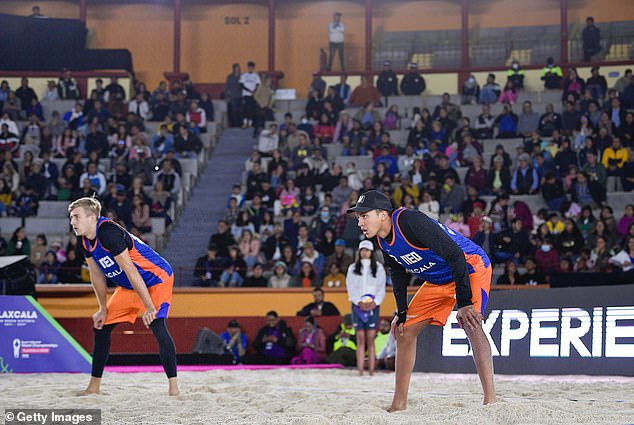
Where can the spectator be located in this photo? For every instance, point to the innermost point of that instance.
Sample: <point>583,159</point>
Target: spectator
<point>547,258</point>
<point>614,158</point>
<point>334,278</point>
<point>140,107</point>
<point>256,279</point>
<point>208,268</point>
<point>551,75</point>
<point>336,31</point>
<point>235,269</point>
<point>27,202</point>
<point>506,123</point>
<point>365,93</point>
<point>597,176</point>
<point>509,94</point>
<point>570,241</point>
<point>490,91</point>
<point>591,37</point>
<point>387,82</point>
<point>623,82</point>
<point>528,120</point>
<point>222,239</point>
<point>511,276</point>
<point>249,82</point>
<point>274,343</point>
<point>141,215</point>
<point>307,276</point>
<point>365,283</point>
<point>38,252</point>
<point>49,269</point>
<point>25,93</point>
<point>280,277</point>
<point>311,343</point>
<point>627,177</point>
<point>319,307</point>
<point>187,144</point>
<point>625,258</point>
<point>573,84</point>
<point>344,346</point>
<point>67,86</point>
<point>597,84</point>
<point>19,244</point>
<point>170,178</point>
<point>412,83</point>
<point>626,221</point>
<point>553,191</point>
<point>516,75</point>
<point>470,91</point>
<point>50,93</point>
<point>570,119</point>
<point>549,121</point>
<point>484,123</point>
<point>70,270</point>
<point>532,275</point>
<point>452,194</point>
<point>235,340</point>
<point>9,142</point>
<point>525,179</point>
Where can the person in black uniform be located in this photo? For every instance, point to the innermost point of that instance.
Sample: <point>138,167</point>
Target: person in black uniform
<point>412,83</point>
<point>387,83</point>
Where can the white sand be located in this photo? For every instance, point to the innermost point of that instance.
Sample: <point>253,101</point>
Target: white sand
<point>327,397</point>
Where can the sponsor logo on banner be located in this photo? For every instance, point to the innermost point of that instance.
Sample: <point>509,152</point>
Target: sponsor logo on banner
<point>605,332</point>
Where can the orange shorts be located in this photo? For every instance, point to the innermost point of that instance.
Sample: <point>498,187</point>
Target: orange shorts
<point>125,304</point>
<point>436,302</point>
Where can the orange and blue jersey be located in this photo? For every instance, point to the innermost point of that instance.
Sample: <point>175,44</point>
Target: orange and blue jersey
<point>153,268</point>
<point>423,262</point>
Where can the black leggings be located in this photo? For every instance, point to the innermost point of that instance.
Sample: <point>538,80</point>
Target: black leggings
<point>167,349</point>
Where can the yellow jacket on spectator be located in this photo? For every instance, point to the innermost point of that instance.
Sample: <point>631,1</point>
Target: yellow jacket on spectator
<point>402,190</point>
<point>610,154</point>
<point>555,228</point>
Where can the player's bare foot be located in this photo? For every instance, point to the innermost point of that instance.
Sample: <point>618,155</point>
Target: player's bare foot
<point>397,408</point>
<point>173,387</point>
<point>360,373</point>
<point>491,400</point>
<point>92,388</point>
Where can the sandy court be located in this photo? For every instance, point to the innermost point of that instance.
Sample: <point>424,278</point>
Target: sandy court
<point>327,397</point>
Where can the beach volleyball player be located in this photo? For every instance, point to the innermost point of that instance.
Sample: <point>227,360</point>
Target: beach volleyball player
<point>144,284</point>
<point>454,270</point>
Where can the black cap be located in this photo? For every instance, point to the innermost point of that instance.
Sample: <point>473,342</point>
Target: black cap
<point>233,324</point>
<point>371,200</point>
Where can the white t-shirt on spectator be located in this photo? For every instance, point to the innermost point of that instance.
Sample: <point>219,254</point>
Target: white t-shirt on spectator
<point>250,80</point>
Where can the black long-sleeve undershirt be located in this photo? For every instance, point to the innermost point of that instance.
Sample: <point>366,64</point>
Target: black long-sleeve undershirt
<point>424,232</point>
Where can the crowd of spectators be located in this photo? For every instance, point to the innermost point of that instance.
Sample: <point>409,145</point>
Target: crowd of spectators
<point>101,148</point>
<point>277,343</point>
<point>288,221</point>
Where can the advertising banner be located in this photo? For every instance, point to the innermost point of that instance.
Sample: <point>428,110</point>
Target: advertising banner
<point>31,341</point>
<point>588,331</point>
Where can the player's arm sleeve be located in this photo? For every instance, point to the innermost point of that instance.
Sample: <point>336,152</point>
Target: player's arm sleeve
<point>113,238</point>
<point>427,233</point>
<point>400,279</point>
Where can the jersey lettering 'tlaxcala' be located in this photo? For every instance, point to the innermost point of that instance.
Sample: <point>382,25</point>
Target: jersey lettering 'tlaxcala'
<point>111,241</point>
<point>431,251</point>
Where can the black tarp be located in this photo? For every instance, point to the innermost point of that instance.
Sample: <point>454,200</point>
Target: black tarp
<point>31,44</point>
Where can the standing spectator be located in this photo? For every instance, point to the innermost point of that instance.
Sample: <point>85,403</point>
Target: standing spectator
<point>311,343</point>
<point>336,31</point>
<point>235,340</point>
<point>249,82</point>
<point>25,93</point>
<point>387,82</point>
<point>365,283</point>
<point>623,82</point>
<point>591,36</point>
<point>413,83</point>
